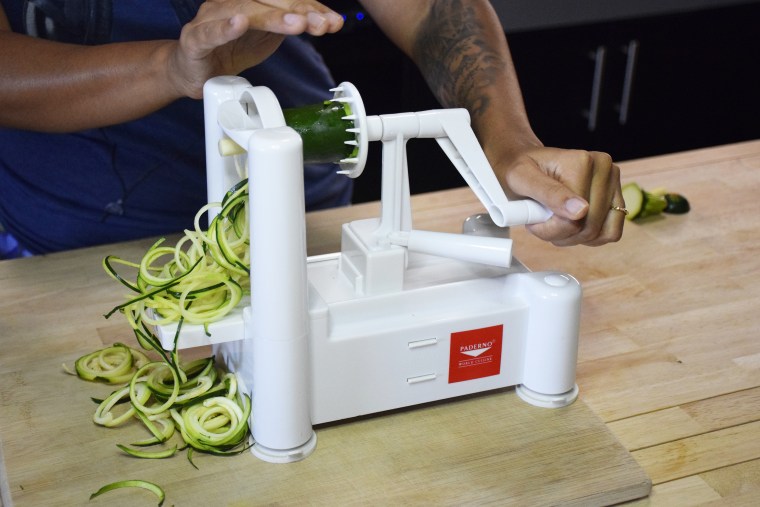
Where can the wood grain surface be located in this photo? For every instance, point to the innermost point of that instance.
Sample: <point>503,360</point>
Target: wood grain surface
<point>669,373</point>
<point>491,448</point>
<point>670,332</point>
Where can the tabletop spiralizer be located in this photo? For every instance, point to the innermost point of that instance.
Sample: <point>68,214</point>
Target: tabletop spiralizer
<point>399,317</point>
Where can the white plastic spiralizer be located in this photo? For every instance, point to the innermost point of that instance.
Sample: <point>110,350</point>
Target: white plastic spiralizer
<point>398,317</point>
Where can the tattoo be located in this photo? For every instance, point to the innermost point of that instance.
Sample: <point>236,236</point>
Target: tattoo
<point>454,56</point>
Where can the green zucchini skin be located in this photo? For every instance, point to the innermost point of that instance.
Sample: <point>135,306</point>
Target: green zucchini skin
<point>677,204</point>
<point>153,488</point>
<point>323,131</point>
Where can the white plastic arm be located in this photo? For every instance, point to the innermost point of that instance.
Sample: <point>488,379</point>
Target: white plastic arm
<point>481,249</point>
<point>233,109</point>
<point>459,143</point>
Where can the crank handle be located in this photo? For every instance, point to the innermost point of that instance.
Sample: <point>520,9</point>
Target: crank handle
<point>524,212</point>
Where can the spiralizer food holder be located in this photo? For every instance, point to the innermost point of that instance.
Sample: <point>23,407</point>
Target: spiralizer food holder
<point>399,316</point>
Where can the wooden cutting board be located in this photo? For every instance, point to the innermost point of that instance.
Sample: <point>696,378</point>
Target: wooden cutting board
<point>490,448</point>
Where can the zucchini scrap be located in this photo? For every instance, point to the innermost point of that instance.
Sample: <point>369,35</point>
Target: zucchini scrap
<point>642,203</point>
<point>134,483</point>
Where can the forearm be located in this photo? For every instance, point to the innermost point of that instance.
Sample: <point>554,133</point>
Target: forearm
<point>462,52</point>
<point>52,86</point>
<point>461,49</point>
<point>49,86</point>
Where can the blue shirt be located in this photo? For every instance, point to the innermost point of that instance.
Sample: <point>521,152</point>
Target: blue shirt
<point>145,177</point>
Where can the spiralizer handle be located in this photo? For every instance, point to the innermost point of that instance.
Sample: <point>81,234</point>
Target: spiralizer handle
<point>463,149</point>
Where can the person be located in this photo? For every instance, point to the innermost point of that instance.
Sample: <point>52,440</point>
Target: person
<point>101,122</point>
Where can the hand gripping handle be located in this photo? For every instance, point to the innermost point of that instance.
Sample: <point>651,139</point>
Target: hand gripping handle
<point>459,143</point>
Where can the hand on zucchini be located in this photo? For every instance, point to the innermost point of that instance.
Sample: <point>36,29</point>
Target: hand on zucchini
<point>642,203</point>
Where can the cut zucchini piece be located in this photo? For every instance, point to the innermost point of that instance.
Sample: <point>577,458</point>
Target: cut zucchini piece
<point>641,203</point>
<point>634,200</point>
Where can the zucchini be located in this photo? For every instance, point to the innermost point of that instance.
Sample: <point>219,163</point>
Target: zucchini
<point>323,131</point>
<point>642,203</point>
<point>327,129</point>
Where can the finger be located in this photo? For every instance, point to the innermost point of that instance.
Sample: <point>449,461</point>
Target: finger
<point>316,18</point>
<point>604,183</point>
<point>603,223</point>
<point>606,176</point>
<point>557,230</point>
<point>526,178</point>
<point>544,184</point>
<point>215,28</point>
<point>612,230</point>
<point>273,16</point>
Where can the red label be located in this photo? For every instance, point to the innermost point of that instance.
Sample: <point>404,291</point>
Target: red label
<point>475,353</point>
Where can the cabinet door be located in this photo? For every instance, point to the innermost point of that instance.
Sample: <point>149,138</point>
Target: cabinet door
<point>564,76</point>
<point>646,86</point>
<point>695,82</point>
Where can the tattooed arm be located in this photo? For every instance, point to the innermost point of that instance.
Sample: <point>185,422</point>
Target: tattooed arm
<point>460,47</point>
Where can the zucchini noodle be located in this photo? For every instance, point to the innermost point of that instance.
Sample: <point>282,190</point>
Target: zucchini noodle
<point>216,425</point>
<point>197,398</point>
<point>199,280</point>
<point>114,365</point>
<point>104,416</point>
<point>149,486</point>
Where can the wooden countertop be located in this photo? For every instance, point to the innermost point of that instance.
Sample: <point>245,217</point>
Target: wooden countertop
<point>669,361</point>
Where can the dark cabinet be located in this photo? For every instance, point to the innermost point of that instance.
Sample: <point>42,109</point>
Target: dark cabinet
<point>646,86</point>
<point>633,88</point>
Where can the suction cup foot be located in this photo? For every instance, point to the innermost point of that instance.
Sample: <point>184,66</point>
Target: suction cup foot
<point>547,400</point>
<point>285,455</point>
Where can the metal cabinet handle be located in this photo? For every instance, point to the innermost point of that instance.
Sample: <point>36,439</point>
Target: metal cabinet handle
<point>599,57</point>
<point>632,51</point>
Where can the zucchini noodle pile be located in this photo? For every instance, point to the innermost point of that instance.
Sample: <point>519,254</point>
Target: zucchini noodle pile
<point>199,280</point>
<point>197,401</point>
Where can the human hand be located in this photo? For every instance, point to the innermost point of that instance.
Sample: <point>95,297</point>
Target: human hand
<point>579,187</point>
<point>229,36</point>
